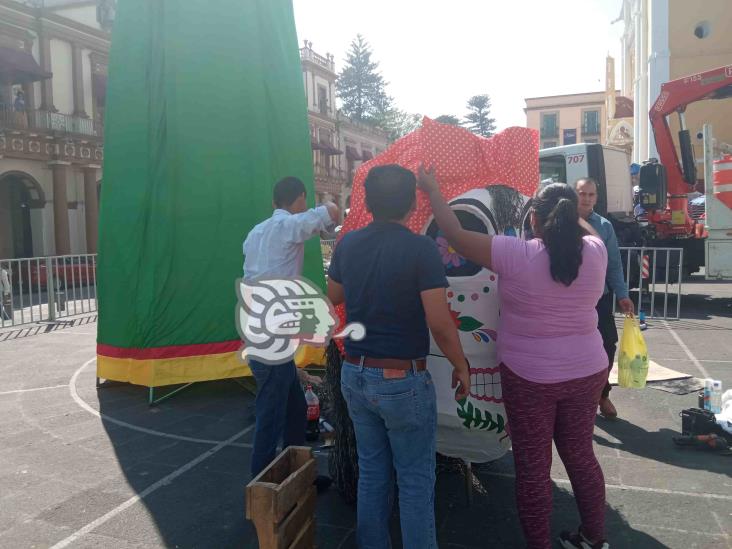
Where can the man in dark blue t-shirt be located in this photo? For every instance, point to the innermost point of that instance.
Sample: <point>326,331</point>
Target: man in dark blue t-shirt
<point>393,282</point>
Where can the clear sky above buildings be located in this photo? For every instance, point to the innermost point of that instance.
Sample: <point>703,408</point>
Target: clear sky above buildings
<point>436,54</point>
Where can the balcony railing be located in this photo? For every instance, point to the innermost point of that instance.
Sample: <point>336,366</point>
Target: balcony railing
<point>332,173</point>
<point>50,121</point>
<point>549,133</point>
<point>307,54</point>
<point>591,129</point>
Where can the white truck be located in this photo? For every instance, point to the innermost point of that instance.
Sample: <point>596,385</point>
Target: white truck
<point>610,168</point>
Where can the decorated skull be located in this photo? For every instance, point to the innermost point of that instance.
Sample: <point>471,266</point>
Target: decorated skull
<point>475,428</point>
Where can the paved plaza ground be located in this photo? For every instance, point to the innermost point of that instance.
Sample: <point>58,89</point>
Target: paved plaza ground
<point>88,467</point>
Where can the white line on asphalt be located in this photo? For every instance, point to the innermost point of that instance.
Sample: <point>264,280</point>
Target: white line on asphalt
<point>659,360</point>
<point>31,390</point>
<point>167,479</point>
<point>629,487</point>
<point>686,349</point>
<point>85,406</point>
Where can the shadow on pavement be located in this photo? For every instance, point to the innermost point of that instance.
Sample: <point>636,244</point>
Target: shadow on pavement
<point>204,506</point>
<point>659,446</point>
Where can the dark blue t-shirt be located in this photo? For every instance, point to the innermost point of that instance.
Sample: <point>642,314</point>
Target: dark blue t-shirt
<point>383,268</point>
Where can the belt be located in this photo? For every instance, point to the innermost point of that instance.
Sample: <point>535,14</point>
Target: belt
<point>419,364</point>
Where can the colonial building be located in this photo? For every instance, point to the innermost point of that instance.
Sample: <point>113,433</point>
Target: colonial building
<point>568,119</point>
<point>339,144</point>
<point>53,73</point>
<point>665,40</point>
<point>53,81</point>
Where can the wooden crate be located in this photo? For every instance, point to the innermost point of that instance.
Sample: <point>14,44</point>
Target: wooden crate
<point>281,501</point>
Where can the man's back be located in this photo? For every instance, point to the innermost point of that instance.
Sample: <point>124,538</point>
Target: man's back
<point>383,268</point>
<point>275,247</point>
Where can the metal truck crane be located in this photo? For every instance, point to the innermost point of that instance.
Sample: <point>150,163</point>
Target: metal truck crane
<point>664,182</point>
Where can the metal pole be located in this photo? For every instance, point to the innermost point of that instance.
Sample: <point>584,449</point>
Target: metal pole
<point>50,290</point>
<point>627,274</point>
<point>640,282</point>
<point>22,305</point>
<point>653,291</point>
<point>469,481</point>
<point>665,295</point>
<point>678,294</point>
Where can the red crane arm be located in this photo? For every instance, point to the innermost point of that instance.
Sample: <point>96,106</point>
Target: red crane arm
<point>674,97</point>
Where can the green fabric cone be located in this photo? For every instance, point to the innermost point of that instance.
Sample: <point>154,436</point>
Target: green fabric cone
<point>206,111</point>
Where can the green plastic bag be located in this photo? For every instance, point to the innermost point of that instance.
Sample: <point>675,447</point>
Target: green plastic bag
<point>633,356</point>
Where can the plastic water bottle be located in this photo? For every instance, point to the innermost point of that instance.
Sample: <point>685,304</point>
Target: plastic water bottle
<point>707,393</point>
<point>715,398</point>
<point>312,432</point>
<point>642,321</point>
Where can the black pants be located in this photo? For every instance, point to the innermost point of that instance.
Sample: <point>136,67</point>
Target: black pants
<point>609,333</point>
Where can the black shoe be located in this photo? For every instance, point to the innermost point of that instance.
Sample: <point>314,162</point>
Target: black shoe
<point>575,540</point>
<point>322,483</point>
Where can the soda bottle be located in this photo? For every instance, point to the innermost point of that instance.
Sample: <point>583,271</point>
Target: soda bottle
<point>312,432</point>
<point>715,398</point>
<point>707,393</point>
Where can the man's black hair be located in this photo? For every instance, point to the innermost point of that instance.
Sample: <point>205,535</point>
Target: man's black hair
<point>286,191</point>
<point>390,192</point>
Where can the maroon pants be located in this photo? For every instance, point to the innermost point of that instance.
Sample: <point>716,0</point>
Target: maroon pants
<point>564,412</point>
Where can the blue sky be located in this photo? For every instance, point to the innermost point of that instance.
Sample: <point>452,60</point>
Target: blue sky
<point>437,54</point>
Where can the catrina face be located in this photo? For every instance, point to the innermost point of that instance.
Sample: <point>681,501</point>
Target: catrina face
<point>474,428</point>
<point>473,291</point>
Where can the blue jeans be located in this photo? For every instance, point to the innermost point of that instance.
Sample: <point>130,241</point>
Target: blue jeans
<point>280,409</point>
<point>395,421</point>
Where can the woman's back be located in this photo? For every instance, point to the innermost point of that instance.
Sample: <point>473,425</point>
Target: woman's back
<point>548,331</point>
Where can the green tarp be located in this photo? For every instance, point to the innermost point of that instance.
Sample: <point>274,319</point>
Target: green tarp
<point>205,112</point>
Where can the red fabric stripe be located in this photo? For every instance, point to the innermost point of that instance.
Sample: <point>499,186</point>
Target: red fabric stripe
<point>171,351</point>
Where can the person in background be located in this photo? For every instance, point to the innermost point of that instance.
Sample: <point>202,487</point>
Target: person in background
<point>614,283</point>
<point>275,249</point>
<point>5,294</point>
<point>552,363</point>
<point>19,103</point>
<point>393,282</point>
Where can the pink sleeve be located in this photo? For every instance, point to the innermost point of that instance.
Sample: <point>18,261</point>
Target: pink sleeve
<point>508,254</point>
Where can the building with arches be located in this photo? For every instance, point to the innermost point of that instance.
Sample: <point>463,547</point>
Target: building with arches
<point>53,80</point>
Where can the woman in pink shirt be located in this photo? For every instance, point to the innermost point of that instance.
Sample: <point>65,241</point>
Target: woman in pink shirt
<point>553,365</point>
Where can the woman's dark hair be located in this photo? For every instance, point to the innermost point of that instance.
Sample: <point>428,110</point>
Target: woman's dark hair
<point>556,213</point>
<point>390,192</point>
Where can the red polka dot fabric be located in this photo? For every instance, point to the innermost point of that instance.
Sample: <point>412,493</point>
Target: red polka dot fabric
<point>462,161</point>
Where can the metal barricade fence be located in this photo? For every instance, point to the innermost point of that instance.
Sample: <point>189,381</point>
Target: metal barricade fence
<point>650,271</point>
<point>42,289</point>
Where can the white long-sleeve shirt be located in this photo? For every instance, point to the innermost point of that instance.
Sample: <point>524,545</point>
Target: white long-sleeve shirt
<point>276,247</point>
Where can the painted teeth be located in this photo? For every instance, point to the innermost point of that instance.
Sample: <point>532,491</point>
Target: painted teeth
<point>486,385</point>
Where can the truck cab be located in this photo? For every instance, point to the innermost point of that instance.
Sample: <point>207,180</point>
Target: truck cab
<point>610,167</point>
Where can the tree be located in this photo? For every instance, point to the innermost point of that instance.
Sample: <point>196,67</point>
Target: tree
<point>448,119</point>
<point>360,86</point>
<point>398,123</point>
<point>478,118</point>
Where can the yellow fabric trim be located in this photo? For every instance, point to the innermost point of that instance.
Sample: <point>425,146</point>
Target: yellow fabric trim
<point>171,371</point>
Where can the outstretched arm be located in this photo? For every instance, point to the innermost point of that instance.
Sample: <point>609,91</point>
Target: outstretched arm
<point>471,245</point>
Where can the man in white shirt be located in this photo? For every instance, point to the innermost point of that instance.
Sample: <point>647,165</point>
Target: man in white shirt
<point>275,249</point>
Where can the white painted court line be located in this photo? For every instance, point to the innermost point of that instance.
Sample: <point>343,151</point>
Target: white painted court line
<point>630,488</point>
<point>32,390</point>
<point>149,490</point>
<point>83,404</point>
<point>686,349</point>
<point>700,360</point>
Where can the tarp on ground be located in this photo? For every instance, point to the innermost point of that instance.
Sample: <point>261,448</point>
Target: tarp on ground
<point>205,112</point>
